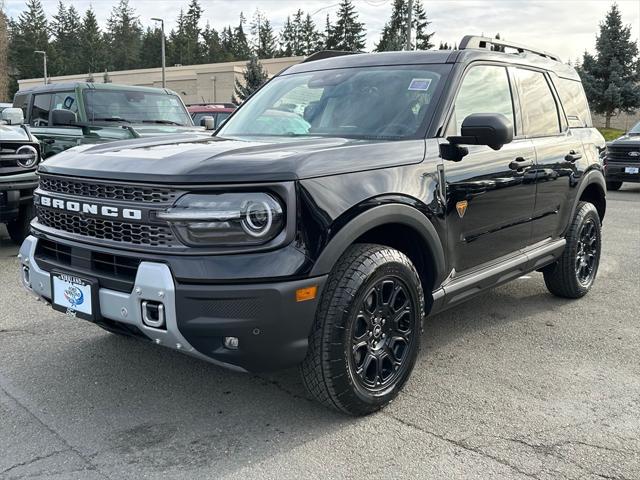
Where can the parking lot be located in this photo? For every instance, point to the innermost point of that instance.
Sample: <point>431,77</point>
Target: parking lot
<point>515,384</point>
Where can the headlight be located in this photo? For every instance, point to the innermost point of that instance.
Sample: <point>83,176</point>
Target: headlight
<point>27,156</point>
<point>226,219</point>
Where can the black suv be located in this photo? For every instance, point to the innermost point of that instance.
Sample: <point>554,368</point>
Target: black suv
<point>622,159</point>
<point>347,199</point>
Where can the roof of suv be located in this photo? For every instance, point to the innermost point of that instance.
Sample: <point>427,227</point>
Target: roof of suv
<point>60,87</point>
<point>436,56</point>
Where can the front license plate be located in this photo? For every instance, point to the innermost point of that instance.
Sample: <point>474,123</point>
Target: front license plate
<point>72,295</point>
<point>631,169</point>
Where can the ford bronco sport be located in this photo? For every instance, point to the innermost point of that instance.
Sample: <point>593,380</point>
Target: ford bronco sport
<point>420,180</point>
<point>64,115</point>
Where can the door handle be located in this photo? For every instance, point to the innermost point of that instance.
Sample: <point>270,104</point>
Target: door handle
<point>520,163</point>
<point>573,156</point>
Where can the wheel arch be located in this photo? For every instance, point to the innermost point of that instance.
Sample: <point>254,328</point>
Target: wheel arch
<point>593,189</point>
<point>396,225</point>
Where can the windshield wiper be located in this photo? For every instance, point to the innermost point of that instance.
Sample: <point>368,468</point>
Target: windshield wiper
<point>111,119</point>
<point>163,122</point>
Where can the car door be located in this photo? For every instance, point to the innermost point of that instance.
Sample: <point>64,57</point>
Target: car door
<point>559,153</point>
<point>490,194</point>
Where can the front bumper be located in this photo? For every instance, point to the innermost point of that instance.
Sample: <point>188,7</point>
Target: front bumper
<point>13,194</point>
<point>615,172</point>
<point>272,327</point>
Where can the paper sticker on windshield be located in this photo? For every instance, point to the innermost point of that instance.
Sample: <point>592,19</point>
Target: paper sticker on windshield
<point>420,84</point>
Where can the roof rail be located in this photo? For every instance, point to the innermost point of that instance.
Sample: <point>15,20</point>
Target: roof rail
<point>472,41</point>
<point>322,54</point>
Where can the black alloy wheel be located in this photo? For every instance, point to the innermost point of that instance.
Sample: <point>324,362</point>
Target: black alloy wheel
<point>588,252</point>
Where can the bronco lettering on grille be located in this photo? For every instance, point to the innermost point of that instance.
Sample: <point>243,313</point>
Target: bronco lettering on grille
<point>89,208</point>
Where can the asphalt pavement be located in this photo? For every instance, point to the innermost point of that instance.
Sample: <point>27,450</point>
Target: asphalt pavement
<point>514,384</point>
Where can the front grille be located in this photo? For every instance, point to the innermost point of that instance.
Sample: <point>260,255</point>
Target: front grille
<point>8,160</point>
<point>115,272</point>
<point>112,230</point>
<point>621,154</point>
<point>108,191</point>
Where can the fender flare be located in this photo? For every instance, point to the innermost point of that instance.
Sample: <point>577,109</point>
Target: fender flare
<point>593,176</point>
<point>375,217</point>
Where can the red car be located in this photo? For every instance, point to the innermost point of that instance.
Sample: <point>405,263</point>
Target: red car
<point>218,111</point>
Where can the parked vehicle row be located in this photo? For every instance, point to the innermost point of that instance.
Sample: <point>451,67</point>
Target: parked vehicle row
<point>348,198</point>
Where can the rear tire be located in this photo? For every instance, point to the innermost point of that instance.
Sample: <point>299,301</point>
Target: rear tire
<point>613,186</point>
<point>366,335</point>
<point>574,273</point>
<point>20,227</point>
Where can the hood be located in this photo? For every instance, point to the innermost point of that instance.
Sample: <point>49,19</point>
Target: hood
<point>198,159</point>
<point>152,130</point>
<point>626,140</point>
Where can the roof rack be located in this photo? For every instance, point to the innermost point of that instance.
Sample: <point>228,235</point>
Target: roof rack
<point>472,41</point>
<point>321,55</point>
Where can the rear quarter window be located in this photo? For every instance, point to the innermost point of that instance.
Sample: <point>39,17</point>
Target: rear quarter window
<point>574,102</point>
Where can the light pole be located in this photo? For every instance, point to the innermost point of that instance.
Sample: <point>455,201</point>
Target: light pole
<point>44,59</point>
<point>164,61</point>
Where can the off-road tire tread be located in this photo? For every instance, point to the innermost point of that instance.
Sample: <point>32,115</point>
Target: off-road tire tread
<point>350,272</point>
<point>560,278</point>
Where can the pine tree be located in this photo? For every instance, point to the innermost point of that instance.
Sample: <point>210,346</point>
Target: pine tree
<point>611,77</point>
<point>193,54</point>
<point>66,48</point>
<point>347,34</point>
<point>176,43</point>
<point>311,39</point>
<point>4,56</point>
<point>151,50</point>
<point>92,47</point>
<point>123,37</point>
<point>240,44</point>
<point>264,41</point>
<point>213,51</point>
<point>254,77</point>
<point>29,33</point>
<point>291,37</point>
<point>420,24</point>
<point>394,33</point>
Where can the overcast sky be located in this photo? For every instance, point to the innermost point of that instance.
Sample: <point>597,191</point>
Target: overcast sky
<point>566,27</point>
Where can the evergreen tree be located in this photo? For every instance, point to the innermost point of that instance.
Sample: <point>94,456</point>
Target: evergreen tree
<point>327,33</point>
<point>4,56</point>
<point>444,46</point>
<point>212,46</point>
<point>240,44</point>
<point>66,48</point>
<point>123,37</point>
<point>254,77</point>
<point>30,32</point>
<point>611,77</point>
<point>193,47</point>
<point>264,41</point>
<point>420,24</point>
<point>347,34</point>
<point>311,39</point>
<point>394,33</point>
<point>176,43</point>
<point>287,39</point>
<point>151,50</point>
<point>92,47</point>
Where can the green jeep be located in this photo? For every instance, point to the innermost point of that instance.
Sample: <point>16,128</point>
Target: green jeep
<point>65,115</point>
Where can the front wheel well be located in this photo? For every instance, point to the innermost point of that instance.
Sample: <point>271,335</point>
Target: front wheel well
<point>595,195</point>
<point>408,241</point>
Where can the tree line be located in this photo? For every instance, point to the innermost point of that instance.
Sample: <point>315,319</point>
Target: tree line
<point>76,44</point>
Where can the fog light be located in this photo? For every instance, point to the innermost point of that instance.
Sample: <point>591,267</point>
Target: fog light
<point>231,343</point>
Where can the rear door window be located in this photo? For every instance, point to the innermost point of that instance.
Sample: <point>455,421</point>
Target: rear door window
<point>40,110</point>
<point>539,110</point>
<point>65,101</point>
<point>574,102</point>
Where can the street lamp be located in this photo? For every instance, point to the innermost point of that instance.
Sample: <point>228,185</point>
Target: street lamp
<point>164,61</point>
<point>44,59</point>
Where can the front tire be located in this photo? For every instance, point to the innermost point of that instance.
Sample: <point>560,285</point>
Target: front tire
<point>574,273</point>
<point>613,186</point>
<point>366,335</point>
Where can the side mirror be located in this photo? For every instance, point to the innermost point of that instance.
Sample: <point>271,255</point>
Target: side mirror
<point>491,129</point>
<point>64,118</point>
<point>208,123</point>
<point>13,116</point>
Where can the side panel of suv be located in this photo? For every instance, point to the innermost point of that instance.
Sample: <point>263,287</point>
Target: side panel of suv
<point>344,201</point>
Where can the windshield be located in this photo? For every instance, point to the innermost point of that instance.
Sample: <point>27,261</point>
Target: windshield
<point>130,106</point>
<point>388,102</point>
<point>636,129</point>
